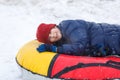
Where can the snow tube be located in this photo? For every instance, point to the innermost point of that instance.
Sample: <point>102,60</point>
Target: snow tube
<point>59,66</point>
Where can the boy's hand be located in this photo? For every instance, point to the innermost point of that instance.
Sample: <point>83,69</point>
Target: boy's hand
<point>47,47</point>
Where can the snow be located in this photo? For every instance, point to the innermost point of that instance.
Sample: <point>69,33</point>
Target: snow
<point>19,20</point>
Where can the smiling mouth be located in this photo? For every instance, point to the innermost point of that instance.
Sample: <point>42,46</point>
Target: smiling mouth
<point>56,35</point>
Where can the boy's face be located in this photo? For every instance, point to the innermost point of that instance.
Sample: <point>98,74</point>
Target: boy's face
<point>55,34</point>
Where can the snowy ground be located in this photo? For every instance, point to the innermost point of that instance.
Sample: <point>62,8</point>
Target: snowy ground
<point>20,18</point>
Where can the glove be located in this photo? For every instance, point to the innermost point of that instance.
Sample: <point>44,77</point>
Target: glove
<point>100,49</point>
<point>47,47</point>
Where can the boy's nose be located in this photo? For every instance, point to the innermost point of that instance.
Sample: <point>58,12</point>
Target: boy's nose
<point>54,35</point>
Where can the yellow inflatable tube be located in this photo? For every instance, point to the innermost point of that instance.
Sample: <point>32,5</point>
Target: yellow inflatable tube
<point>30,59</point>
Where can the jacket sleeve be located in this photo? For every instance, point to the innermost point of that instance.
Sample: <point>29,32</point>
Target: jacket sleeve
<point>77,34</point>
<point>72,49</point>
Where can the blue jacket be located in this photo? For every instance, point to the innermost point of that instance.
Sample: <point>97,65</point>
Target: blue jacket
<point>81,37</point>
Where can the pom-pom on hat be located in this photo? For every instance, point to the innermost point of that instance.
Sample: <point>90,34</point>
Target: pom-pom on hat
<point>43,32</point>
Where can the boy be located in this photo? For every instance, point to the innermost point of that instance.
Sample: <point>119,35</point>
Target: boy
<point>79,37</point>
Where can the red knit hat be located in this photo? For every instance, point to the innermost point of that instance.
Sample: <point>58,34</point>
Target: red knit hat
<point>43,32</point>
